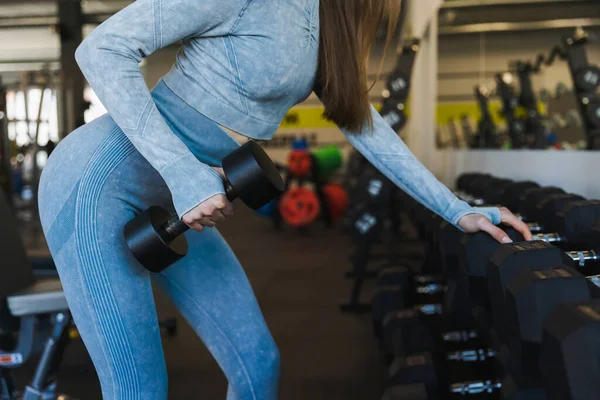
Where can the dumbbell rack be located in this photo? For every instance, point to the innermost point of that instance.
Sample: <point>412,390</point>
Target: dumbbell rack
<point>397,89</point>
<point>374,213</point>
<point>489,358</point>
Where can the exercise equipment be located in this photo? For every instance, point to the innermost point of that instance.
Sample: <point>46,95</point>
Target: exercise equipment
<point>300,163</point>
<point>586,80</point>
<point>155,236</point>
<point>514,290</point>
<point>336,199</point>
<point>399,287</point>
<point>535,133</point>
<point>510,103</point>
<point>530,297</point>
<point>269,209</point>
<point>397,88</point>
<point>569,351</point>
<point>299,207</point>
<point>27,305</point>
<point>486,137</point>
<point>373,213</point>
<point>327,159</point>
<point>421,369</point>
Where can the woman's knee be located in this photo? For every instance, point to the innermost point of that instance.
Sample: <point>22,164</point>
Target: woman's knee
<point>266,373</point>
<point>272,362</point>
<point>262,370</point>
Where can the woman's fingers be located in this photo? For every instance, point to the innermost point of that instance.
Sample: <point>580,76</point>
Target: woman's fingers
<point>217,216</point>
<point>511,219</point>
<point>206,221</point>
<point>208,213</point>
<point>497,233</point>
<point>196,226</point>
<point>228,210</point>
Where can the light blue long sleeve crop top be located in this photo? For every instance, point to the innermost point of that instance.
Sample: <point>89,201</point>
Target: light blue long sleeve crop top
<point>243,64</point>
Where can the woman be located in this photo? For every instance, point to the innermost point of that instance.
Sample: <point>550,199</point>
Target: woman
<point>242,65</point>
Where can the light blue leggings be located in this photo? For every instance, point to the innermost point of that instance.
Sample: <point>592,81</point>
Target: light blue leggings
<point>94,182</point>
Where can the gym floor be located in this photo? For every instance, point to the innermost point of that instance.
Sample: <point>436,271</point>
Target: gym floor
<point>298,281</point>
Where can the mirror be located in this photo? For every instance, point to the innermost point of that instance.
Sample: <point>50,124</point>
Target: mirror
<point>518,75</point>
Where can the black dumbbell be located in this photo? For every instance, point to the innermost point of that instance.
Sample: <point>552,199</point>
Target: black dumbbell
<point>569,360</point>
<point>508,260</point>
<point>398,288</point>
<point>529,200</point>
<point>408,331</point>
<point>592,112</point>
<point>574,223</point>
<point>530,298</point>
<point>421,369</point>
<point>155,236</point>
<point>547,208</point>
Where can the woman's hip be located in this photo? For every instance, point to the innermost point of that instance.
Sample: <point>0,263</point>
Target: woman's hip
<point>96,175</point>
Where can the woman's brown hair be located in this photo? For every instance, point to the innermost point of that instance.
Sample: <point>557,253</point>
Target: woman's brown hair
<point>348,30</point>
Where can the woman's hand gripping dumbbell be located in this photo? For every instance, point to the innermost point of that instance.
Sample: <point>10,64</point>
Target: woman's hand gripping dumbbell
<point>212,210</point>
<point>155,237</point>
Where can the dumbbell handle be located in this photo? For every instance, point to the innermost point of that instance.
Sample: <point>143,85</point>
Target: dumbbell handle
<point>471,355</point>
<point>548,237</point>
<point>429,309</point>
<point>475,387</point>
<point>432,288</point>
<point>581,257</point>
<point>175,227</point>
<point>534,227</point>
<point>459,336</point>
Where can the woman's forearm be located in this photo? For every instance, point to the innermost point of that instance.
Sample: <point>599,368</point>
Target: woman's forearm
<point>388,153</point>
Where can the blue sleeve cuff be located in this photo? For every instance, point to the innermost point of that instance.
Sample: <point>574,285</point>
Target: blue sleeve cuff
<point>491,213</point>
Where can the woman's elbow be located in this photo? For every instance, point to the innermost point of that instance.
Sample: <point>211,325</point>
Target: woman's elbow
<point>84,55</point>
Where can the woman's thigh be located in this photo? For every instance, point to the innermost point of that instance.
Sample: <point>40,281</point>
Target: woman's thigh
<point>212,292</point>
<point>108,292</point>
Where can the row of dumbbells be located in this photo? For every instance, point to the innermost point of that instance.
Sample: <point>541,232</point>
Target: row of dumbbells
<point>482,304</point>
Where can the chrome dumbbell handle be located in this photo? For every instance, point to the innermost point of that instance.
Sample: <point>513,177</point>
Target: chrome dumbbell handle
<point>471,355</point>
<point>429,309</point>
<point>548,237</point>
<point>432,288</point>
<point>475,387</point>
<point>581,257</point>
<point>459,336</point>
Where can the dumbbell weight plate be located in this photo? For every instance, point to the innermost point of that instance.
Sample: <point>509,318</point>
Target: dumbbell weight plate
<point>588,79</point>
<point>530,297</point>
<point>569,362</point>
<point>593,113</point>
<point>145,242</point>
<point>398,85</point>
<point>395,117</point>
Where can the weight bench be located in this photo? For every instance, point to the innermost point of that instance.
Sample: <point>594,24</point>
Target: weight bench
<point>34,317</point>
